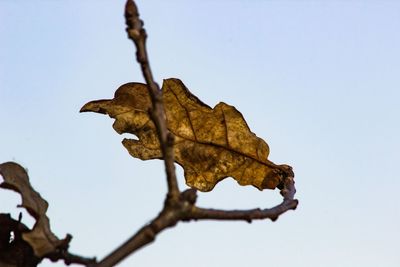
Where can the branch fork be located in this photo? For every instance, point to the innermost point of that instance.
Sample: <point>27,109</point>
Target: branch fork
<point>181,206</point>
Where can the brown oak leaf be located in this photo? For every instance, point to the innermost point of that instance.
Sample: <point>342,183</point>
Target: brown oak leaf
<point>40,238</point>
<point>210,143</point>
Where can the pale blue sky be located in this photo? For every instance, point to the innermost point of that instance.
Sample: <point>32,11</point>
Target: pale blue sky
<point>318,80</point>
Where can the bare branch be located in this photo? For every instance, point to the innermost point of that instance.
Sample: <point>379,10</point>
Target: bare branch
<point>288,203</point>
<point>70,258</point>
<point>138,35</point>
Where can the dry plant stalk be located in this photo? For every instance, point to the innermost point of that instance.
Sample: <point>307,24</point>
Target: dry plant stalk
<point>174,125</point>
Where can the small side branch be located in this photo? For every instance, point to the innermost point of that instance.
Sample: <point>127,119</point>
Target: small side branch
<point>70,258</point>
<point>289,203</point>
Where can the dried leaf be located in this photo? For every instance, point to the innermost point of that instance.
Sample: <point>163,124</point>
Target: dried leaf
<point>210,143</point>
<point>40,238</point>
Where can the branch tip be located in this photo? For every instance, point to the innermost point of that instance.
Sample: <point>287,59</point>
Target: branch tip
<point>131,9</point>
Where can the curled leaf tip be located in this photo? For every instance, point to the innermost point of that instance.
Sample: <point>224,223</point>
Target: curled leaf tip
<point>94,106</point>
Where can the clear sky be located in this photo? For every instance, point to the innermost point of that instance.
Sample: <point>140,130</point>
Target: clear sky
<point>318,80</point>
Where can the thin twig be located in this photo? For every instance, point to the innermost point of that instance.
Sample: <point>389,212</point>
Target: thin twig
<point>138,35</point>
<point>62,253</point>
<point>70,258</point>
<point>288,203</point>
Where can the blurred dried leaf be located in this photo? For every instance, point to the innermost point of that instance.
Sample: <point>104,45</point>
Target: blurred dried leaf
<point>210,144</point>
<point>40,238</point>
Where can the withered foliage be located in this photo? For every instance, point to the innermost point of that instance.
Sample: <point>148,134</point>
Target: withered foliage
<point>40,238</point>
<point>210,143</point>
<point>24,247</point>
